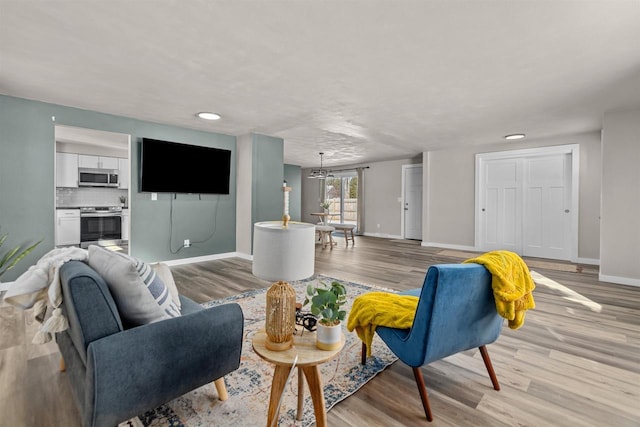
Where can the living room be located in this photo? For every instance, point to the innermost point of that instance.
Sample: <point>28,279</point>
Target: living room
<point>595,109</point>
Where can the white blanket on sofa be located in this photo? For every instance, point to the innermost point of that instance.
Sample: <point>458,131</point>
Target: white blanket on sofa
<point>39,281</point>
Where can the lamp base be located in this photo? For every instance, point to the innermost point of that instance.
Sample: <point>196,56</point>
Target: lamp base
<point>278,346</point>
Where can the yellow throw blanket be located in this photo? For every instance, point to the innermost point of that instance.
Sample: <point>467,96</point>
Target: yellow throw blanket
<point>380,309</point>
<point>512,284</point>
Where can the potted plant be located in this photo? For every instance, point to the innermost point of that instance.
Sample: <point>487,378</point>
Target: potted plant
<point>326,302</point>
<point>11,257</point>
<point>123,200</point>
<point>325,205</point>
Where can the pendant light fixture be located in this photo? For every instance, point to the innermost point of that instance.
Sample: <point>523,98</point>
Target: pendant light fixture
<point>320,173</point>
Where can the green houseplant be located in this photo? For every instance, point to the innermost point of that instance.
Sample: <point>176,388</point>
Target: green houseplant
<point>10,258</point>
<point>326,304</point>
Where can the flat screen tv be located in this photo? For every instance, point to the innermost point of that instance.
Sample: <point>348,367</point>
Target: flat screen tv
<point>170,167</point>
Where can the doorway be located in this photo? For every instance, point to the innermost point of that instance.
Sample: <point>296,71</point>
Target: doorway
<point>411,223</point>
<point>341,192</point>
<point>91,186</point>
<point>527,202</point>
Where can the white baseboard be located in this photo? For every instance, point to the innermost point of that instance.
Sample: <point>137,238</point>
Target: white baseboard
<point>619,280</point>
<point>383,235</point>
<point>244,256</point>
<point>589,261</point>
<point>204,258</point>
<point>448,246</point>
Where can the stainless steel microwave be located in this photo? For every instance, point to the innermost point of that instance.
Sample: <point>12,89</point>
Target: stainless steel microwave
<point>97,177</point>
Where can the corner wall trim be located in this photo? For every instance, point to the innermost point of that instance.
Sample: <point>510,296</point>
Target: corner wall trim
<point>619,280</point>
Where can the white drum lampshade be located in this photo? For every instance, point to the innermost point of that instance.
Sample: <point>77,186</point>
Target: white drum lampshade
<point>281,255</point>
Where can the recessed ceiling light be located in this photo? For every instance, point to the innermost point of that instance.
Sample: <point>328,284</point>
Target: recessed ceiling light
<point>209,116</point>
<point>515,136</point>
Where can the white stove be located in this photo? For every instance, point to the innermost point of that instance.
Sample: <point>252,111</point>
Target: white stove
<point>100,225</point>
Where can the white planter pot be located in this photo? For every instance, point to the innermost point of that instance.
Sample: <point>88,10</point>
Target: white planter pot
<point>328,337</point>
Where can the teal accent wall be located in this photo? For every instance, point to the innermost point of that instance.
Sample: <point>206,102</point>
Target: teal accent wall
<point>293,176</point>
<point>267,177</point>
<point>27,193</point>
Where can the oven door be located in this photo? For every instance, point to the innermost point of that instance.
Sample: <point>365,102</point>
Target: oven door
<point>96,227</point>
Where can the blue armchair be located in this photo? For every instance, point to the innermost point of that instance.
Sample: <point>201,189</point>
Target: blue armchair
<point>456,312</point>
<point>118,373</point>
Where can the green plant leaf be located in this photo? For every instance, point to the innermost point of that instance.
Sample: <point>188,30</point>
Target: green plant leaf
<point>13,256</point>
<point>327,313</point>
<point>8,256</point>
<point>23,254</point>
<point>311,290</point>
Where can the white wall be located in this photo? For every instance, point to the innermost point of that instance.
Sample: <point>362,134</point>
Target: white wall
<point>243,194</point>
<point>620,228</point>
<point>449,192</point>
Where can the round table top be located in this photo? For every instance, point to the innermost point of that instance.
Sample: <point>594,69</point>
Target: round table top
<point>304,346</point>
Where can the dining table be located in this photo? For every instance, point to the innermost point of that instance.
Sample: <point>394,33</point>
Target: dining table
<point>323,216</point>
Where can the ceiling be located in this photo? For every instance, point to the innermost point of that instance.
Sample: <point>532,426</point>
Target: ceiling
<point>360,80</point>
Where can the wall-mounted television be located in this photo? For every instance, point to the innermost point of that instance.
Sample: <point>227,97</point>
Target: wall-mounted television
<point>171,167</point>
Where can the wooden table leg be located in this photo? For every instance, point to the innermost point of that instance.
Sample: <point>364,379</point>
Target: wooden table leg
<point>312,374</point>
<point>277,388</point>
<point>221,388</point>
<point>299,413</point>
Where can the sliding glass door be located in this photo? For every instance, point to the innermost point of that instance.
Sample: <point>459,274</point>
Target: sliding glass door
<point>342,194</point>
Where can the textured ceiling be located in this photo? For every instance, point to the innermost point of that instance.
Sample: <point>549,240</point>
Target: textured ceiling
<point>359,80</point>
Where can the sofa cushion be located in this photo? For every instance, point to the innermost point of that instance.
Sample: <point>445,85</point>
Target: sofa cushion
<point>139,293</point>
<point>164,273</point>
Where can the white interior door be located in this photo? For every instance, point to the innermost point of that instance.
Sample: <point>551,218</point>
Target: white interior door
<point>501,211</point>
<point>412,202</point>
<point>527,202</point>
<point>547,207</point>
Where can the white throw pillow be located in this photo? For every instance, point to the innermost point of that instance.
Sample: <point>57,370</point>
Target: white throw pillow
<point>164,273</point>
<point>139,293</point>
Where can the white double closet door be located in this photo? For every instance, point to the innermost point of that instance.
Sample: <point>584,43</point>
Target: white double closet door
<point>526,204</point>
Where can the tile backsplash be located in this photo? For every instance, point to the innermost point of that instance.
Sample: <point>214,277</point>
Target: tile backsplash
<point>88,196</point>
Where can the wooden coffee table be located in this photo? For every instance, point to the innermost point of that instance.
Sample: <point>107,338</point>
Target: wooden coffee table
<point>309,357</point>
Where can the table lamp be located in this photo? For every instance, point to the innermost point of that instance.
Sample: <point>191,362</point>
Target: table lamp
<point>281,255</point>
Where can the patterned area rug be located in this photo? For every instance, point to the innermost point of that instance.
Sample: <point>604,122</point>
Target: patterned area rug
<point>250,385</point>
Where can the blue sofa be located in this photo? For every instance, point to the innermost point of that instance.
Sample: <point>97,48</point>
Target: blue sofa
<point>118,373</point>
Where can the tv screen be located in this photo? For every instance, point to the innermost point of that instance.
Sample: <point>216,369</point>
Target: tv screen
<point>170,167</point>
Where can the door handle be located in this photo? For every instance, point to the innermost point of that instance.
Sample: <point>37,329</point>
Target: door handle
<point>406,209</point>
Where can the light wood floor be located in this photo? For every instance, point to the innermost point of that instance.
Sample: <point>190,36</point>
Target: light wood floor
<point>567,366</point>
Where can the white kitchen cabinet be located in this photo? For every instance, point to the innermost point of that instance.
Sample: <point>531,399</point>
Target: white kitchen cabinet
<point>123,173</point>
<point>125,224</point>
<point>67,227</point>
<point>97,162</point>
<point>66,170</point>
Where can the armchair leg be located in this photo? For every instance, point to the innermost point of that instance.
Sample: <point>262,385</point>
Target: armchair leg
<point>221,388</point>
<point>487,362</point>
<point>363,357</point>
<point>63,367</point>
<point>423,393</point>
